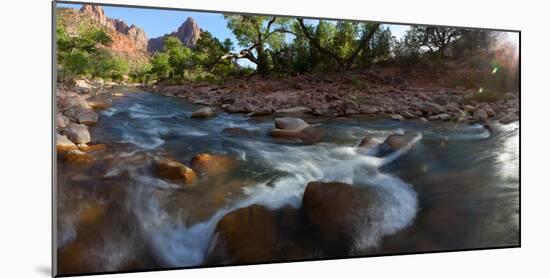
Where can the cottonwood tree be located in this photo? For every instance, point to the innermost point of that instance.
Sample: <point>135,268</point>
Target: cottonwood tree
<point>257,34</point>
<point>435,39</point>
<point>350,41</point>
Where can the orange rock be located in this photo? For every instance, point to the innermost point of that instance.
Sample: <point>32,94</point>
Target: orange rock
<point>212,164</point>
<point>174,170</point>
<point>245,235</point>
<point>78,157</point>
<point>93,148</point>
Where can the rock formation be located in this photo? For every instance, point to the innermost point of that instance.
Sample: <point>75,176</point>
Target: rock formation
<point>125,38</point>
<point>188,33</point>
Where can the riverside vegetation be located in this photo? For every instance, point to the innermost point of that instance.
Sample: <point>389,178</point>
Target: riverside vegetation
<point>171,153</point>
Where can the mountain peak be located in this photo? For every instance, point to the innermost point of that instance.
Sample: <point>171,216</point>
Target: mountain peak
<point>188,33</point>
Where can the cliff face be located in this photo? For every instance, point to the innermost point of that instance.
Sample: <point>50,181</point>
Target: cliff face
<point>188,33</point>
<point>127,39</point>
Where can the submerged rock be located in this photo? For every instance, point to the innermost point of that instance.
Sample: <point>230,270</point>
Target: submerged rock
<point>173,170</point>
<point>77,133</point>
<point>204,112</point>
<point>306,135</point>
<point>212,164</point>
<point>78,157</point>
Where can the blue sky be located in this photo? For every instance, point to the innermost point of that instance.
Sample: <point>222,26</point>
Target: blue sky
<point>157,22</point>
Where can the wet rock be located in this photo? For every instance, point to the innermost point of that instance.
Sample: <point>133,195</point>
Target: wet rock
<point>118,94</point>
<point>288,123</point>
<point>98,103</point>
<point>306,135</point>
<point>61,120</point>
<point>174,170</point>
<point>87,117</point>
<point>509,118</point>
<point>78,157</point>
<point>243,236</point>
<point>296,110</point>
<point>367,142</point>
<point>394,142</point>
<point>77,133</point>
<point>422,119</point>
<point>204,112</point>
<point>332,207</point>
<point>212,164</point>
<point>63,144</point>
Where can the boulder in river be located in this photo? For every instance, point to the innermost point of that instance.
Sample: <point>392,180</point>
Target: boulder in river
<point>394,142</point>
<point>307,135</point>
<point>205,112</point>
<point>289,123</point>
<point>77,133</point>
<point>63,144</point>
<point>212,164</point>
<point>332,207</point>
<point>174,170</point>
<point>367,142</point>
<point>245,235</point>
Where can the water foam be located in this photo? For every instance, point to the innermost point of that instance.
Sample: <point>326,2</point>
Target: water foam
<point>396,205</point>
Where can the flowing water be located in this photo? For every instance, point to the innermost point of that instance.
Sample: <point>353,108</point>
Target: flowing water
<point>455,186</point>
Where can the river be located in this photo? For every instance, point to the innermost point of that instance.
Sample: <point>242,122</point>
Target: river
<point>456,187</point>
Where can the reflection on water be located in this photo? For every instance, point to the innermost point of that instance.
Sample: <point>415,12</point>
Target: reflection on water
<point>454,187</point>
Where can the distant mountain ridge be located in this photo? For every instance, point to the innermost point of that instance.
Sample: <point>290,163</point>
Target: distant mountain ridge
<point>188,33</point>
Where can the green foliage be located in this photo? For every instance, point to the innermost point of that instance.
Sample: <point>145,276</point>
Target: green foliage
<point>80,55</point>
<point>160,66</point>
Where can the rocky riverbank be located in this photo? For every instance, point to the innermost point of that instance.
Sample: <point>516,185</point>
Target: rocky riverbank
<point>371,93</point>
<point>78,103</point>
